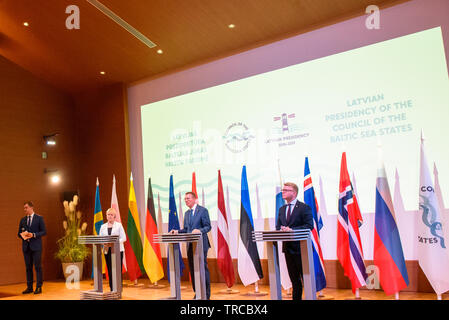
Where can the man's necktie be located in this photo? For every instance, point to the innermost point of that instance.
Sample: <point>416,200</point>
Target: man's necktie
<point>29,221</point>
<point>289,212</point>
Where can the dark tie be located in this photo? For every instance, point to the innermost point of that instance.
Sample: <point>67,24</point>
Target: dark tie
<point>191,218</point>
<point>289,212</point>
<point>29,221</point>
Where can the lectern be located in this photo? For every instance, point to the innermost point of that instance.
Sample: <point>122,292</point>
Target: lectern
<point>173,241</point>
<point>304,238</point>
<point>97,293</point>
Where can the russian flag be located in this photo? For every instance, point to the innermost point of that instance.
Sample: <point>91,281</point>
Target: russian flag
<point>249,267</point>
<point>388,254</point>
<point>310,200</point>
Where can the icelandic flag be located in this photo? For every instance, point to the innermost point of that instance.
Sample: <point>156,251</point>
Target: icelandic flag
<point>433,255</point>
<point>388,254</point>
<point>349,245</point>
<point>249,267</point>
<point>310,200</point>
<point>173,224</point>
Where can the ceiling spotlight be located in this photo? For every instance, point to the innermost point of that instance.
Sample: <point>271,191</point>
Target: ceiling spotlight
<point>231,26</point>
<point>50,140</point>
<point>102,72</point>
<point>26,24</point>
<point>160,51</point>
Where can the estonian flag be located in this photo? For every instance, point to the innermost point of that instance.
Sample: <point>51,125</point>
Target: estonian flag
<point>249,267</point>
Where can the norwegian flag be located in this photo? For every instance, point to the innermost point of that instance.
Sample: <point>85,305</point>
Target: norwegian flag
<point>349,245</point>
<point>310,200</point>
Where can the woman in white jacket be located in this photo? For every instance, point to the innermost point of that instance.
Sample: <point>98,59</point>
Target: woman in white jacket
<point>112,228</point>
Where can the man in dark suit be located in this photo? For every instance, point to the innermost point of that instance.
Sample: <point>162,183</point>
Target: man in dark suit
<point>196,220</point>
<point>31,230</point>
<point>294,215</point>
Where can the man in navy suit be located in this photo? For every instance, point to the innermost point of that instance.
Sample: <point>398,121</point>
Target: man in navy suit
<point>294,215</point>
<point>31,230</point>
<point>196,220</point>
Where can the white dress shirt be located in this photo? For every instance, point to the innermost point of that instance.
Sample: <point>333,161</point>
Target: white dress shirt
<point>117,230</point>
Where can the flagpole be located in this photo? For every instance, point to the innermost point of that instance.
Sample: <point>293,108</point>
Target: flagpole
<point>131,179</point>
<point>279,170</point>
<point>439,297</point>
<point>357,293</point>
<point>396,295</point>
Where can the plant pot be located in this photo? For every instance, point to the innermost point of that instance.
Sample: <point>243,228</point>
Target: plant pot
<point>73,270</point>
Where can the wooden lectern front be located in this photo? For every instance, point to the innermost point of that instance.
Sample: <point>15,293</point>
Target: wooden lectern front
<point>308,269</point>
<point>97,293</point>
<point>173,241</point>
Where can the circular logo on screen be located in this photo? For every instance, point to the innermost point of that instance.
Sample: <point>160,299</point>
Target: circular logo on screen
<point>237,137</point>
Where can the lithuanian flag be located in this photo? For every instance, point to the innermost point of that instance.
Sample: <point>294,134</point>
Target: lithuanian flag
<point>133,244</point>
<point>152,259</point>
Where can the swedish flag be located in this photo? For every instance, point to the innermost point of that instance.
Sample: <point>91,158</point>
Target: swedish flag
<point>98,221</point>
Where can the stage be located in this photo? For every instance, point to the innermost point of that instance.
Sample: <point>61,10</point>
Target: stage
<point>56,290</point>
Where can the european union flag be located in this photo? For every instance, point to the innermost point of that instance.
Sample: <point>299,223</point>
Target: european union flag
<point>173,224</point>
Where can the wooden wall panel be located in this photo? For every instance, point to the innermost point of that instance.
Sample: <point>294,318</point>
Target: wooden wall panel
<point>30,109</point>
<point>92,142</point>
<point>102,141</point>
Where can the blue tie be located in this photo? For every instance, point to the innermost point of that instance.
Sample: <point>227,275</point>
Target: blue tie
<point>191,219</point>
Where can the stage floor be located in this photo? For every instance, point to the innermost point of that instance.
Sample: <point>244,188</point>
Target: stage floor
<point>57,290</point>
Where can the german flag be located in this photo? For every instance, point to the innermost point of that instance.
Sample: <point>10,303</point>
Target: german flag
<point>152,260</point>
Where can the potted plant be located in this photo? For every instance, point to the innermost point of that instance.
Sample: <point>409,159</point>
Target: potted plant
<point>70,252</point>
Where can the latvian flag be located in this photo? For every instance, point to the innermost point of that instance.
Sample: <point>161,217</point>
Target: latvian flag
<point>310,200</point>
<point>224,260</point>
<point>349,245</point>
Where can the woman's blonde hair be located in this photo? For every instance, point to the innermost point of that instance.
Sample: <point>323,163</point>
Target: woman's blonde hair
<point>112,210</point>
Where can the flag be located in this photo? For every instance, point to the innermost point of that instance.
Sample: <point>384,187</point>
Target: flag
<point>194,187</point>
<point>310,200</point>
<point>349,245</point>
<point>388,254</point>
<point>98,221</point>
<point>160,222</point>
<point>133,243</point>
<point>114,205</point>
<point>194,184</point>
<point>152,260</point>
<point>224,260</point>
<point>249,267</point>
<point>98,213</point>
<point>173,224</point>
<point>432,249</point>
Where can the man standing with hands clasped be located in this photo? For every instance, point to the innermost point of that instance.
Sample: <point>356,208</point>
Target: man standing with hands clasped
<point>196,220</point>
<point>292,216</point>
<point>31,230</point>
